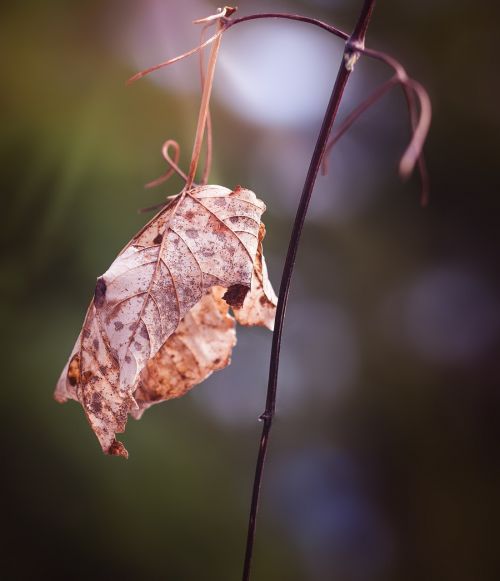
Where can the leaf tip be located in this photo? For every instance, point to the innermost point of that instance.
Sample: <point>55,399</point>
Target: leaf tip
<point>59,397</point>
<point>117,449</point>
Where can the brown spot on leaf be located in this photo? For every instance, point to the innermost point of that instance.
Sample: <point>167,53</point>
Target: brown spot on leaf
<point>118,325</point>
<point>86,377</point>
<point>235,295</point>
<point>158,239</point>
<point>96,403</point>
<point>191,233</point>
<point>100,292</point>
<point>117,449</point>
<point>74,370</point>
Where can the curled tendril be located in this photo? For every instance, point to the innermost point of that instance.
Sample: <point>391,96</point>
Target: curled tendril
<point>420,116</point>
<point>174,168</point>
<point>420,121</point>
<point>171,143</point>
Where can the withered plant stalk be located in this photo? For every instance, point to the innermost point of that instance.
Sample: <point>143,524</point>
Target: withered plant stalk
<point>354,42</point>
<point>207,83</point>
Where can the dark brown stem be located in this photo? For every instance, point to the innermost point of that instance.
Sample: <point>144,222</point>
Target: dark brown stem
<point>231,22</point>
<point>356,39</point>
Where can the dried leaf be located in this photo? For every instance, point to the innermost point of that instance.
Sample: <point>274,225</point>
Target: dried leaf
<point>205,238</point>
<point>202,344</point>
<point>202,239</point>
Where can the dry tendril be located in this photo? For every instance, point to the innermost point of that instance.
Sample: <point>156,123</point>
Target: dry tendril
<point>420,116</point>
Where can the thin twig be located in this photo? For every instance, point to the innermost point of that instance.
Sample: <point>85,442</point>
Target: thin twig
<point>414,150</point>
<point>422,166</point>
<point>414,120</point>
<point>325,26</point>
<point>420,123</point>
<point>357,38</point>
<point>354,116</point>
<point>205,99</point>
<point>171,61</point>
<point>208,153</point>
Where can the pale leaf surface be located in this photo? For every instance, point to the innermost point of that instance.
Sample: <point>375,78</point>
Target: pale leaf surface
<point>208,237</point>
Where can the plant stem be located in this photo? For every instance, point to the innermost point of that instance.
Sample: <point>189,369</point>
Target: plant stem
<point>204,109</point>
<point>297,17</point>
<point>356,38</point>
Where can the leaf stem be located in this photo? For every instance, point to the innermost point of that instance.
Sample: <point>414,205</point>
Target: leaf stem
<point>204,108</point>
<point>356,39</point>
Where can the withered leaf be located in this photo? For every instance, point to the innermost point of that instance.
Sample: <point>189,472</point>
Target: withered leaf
<point>206,238</point>
<point>209,237</point>
<point>201,344</point>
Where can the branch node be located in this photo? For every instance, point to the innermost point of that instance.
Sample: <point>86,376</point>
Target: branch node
<point>350,59</point>
<point>265,417</point>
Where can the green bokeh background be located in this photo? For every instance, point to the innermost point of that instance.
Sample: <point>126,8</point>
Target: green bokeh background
<point>76,147</point>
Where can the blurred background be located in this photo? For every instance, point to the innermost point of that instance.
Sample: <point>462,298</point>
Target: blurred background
<point>384,459</point>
